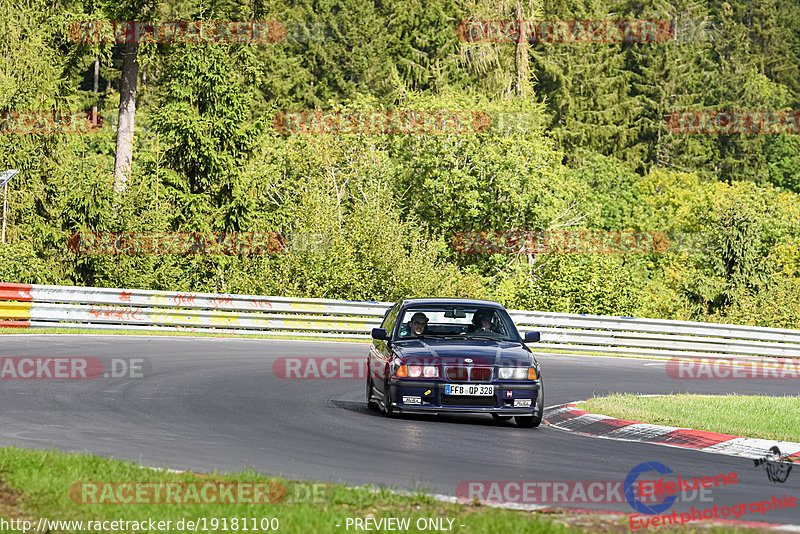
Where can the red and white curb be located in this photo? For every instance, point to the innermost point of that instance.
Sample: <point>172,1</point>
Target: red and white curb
<point>568,417</point>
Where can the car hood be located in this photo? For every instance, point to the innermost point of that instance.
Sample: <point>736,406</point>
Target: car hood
<point>432,351</point>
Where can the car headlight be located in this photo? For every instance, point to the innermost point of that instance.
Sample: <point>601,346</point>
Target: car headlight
<point>430,371</point>
<point>416,371</point>
<point>513,373</point>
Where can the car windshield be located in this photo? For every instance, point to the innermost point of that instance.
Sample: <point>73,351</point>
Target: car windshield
<point>464,322</point>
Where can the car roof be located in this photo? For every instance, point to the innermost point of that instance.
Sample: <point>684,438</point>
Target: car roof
<point>450,302</point>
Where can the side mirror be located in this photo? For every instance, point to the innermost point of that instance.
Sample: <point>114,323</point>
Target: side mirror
<point>380,333</point>
<point>531,337</point>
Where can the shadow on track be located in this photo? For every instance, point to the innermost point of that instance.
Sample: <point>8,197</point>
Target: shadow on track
<point>360,407</point>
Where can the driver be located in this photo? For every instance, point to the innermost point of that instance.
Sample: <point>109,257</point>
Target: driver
<point>418,324</point>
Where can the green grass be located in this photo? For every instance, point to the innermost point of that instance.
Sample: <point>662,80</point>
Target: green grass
<point>764,417</point>
<point>101,331</point>
<point>96,331</point>
<point>36,484</point>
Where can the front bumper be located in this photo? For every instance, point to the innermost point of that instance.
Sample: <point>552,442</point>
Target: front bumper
<point>432,399</point>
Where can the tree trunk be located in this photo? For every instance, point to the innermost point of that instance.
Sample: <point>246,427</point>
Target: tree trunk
<point>521,55</point>
<point>96,87</point>
<point>127,110</point>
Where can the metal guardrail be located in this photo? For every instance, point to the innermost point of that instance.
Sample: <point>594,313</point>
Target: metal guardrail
<point>43,306</point>
<point>40,306</point>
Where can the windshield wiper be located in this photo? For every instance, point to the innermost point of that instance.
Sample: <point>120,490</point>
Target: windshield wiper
<point>497,337</point>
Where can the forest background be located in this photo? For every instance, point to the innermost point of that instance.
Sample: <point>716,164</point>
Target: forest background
<point>373,215</point>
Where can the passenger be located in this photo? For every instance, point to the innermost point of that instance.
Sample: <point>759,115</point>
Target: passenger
<point>482,321</point>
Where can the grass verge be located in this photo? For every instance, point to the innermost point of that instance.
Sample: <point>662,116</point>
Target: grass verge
<point>99,331</point>
<point>49,484</point>
<point>748,416</point>
<point>36,484</point>
<point>102,331</point>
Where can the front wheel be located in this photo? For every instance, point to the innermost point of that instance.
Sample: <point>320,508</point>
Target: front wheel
<point>388,410</point>
<point>371,404</point>
<point>536,419</point>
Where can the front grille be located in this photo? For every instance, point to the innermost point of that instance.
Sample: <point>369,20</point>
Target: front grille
<point>468,374</point>
<point>464,400</point>
<point>480,374</point>
<point>456,373</point>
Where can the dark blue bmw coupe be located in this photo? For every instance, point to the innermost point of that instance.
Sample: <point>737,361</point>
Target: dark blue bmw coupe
<point>454,355</point>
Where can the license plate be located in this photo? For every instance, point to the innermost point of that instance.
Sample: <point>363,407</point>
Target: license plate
<point>477,390</point>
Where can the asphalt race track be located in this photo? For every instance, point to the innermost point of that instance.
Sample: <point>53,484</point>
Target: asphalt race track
<point>215,404</point>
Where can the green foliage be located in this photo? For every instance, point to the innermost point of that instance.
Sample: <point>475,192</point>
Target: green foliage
<point>601,284</point>
<point>203,113</point>
<point>589,149</point>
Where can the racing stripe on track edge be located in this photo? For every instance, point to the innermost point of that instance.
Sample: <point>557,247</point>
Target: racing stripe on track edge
<point>569,418</point>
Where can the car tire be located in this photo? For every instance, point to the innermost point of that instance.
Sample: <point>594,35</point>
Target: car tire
<point>534,420</point>
<point>388,411</point>
<point>500,418</point>
<point>371,404</point>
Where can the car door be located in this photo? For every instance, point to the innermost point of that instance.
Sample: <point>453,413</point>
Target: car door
<point>380,354</point>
